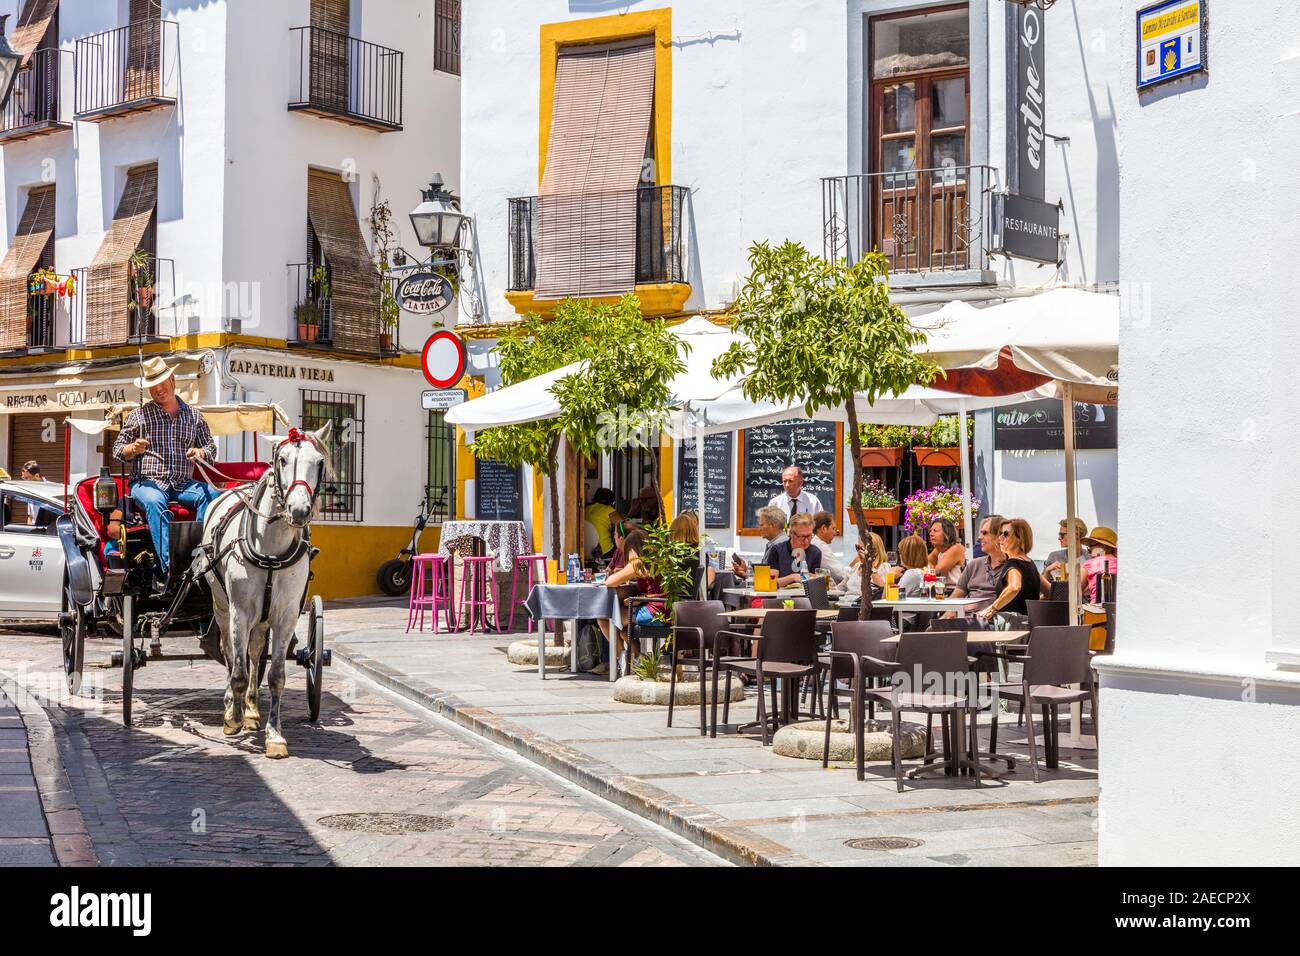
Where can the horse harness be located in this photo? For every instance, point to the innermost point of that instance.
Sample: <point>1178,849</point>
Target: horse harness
<point>243,509</point>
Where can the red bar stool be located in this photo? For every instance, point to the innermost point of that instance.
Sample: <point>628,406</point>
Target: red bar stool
<point>478,576</point>
<point>531,561</point>
<point>430,591</point>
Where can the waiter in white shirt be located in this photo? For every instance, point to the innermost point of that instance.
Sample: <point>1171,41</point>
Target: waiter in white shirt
<point>794,499</point>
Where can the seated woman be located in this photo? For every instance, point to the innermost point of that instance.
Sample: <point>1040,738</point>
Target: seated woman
<point>1017,577</point>
<point>947,555</point>
<point>620,531</point>
<point>1103,544</point>
<point>853,580</point>
<point>914,559</point>
<point>631,573</point>
<point>686,527</point>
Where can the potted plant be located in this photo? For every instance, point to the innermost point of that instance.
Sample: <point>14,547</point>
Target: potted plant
<point>937,445</point>
<point>922,507</point>
<point>389,314</point>
<point>882,445</point>
<point>879,506</point>
<point>671,563</point>
<point>141,280</point>
<point>44,282</point>
<point>310,312</point>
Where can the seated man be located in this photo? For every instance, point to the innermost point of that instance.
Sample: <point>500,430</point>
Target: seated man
<point>771,525</point>
<point>795,556</point>
<point>162,439</point>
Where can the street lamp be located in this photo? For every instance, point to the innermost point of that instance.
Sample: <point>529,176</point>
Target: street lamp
<point>10,60</point>
<point>437,221</point>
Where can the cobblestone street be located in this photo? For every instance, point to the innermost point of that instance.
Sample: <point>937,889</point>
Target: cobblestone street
<point>373,783</point>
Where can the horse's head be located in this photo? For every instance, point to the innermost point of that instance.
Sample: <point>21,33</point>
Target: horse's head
<point>300,463</point>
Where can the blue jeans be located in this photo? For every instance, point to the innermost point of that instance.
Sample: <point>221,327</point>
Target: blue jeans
<point>153,499</point>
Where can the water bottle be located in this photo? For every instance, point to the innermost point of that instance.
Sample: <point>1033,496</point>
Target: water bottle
<point>574,573</point>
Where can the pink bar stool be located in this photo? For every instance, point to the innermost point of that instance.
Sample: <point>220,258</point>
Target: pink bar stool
<point>479,577</point>
<point>531,561</point>
<point>430,591</point>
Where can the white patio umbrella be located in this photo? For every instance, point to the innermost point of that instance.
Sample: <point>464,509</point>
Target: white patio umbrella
<point>1064,343</point>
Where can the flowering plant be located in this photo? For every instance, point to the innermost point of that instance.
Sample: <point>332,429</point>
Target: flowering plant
<point>942,434</point>
<point>876,495</point>
<point>924,506</point>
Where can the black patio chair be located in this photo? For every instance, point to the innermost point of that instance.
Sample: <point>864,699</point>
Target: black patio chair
<point>857,648</point>
<point>786,649</point>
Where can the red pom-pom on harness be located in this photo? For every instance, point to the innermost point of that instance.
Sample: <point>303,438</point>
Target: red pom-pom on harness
<point>297,437</point>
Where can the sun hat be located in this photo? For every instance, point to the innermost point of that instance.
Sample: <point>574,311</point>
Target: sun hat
<point>1103,536</point>
<point>156,371</point>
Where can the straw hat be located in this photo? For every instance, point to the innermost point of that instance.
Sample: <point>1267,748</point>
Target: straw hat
<point>1103,536</point>
<point>156,371</point>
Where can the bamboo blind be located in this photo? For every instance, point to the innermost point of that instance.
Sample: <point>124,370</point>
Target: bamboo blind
<point>329,53</point>
<point>107,288</point>
<point>144,51</point>
<point>32,24</point>
<point>34,232</point>
<point>354,281</point>
<point>586,212</point>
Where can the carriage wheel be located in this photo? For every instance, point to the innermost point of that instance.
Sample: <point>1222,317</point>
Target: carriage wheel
<point>72,629</point>
<point>128,655</point>
<point>315,655</point>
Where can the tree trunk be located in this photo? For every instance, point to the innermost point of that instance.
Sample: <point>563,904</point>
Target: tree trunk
<point>557,546</point>
<point>855,503</point>
<point>654,478</point>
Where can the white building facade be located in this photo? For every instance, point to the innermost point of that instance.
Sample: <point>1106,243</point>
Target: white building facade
<point>842,125</point>
<point>205,174</point>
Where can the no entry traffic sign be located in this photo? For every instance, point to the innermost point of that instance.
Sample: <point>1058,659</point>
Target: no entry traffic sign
<point>443,359</point>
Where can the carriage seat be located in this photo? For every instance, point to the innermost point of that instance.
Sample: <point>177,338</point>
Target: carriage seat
<point>237,471</point>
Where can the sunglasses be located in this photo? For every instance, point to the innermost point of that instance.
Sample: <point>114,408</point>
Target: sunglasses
<point>1004,534</point>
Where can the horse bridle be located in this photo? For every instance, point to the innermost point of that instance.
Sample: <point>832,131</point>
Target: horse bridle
<point>296,437</point>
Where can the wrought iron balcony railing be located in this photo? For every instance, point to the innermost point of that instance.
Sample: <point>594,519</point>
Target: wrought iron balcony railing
<point>660,243</point>
<point>128,70</point>
<point>106,313</point>
<point>45,295</point>
<point>923,221</point>
<point>347,79</point>
<point>312,320</point>
<point>35,106</point>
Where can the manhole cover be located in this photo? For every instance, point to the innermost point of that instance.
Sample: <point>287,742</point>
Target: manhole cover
<point>386,822</point>
<point>883,843</point>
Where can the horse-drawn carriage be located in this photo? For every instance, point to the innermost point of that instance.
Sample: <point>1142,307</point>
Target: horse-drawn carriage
<point>237,580</point>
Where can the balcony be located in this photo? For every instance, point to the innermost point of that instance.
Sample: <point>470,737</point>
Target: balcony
<point>111,309</point>
<point>128,70</point>
<point>933,226</point>
<point>661,283</point>
<point>46,291</point>
<point>35,107</point>
<point>348,80</point>
<point>311,320</point>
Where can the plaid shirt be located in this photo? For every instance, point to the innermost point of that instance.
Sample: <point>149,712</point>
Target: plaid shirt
<point>164,460</point>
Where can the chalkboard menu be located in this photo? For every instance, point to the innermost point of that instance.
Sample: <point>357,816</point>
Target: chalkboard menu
<point>768,450</point>
<point>1039,426</point>
<point>717,479</point>
<point>498,492</point>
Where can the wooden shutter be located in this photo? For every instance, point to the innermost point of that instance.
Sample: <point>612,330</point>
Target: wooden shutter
<point>25,444</point>
<point>32,24</point>
<point>34,232</point>
<point>354,281</point>
<point>107,291</point>
<point>586,212</point>
<point>144,50</point>
<point>330,21</point>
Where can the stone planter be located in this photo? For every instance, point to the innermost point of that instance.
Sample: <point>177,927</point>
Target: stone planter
<point>882,457</point>
<point>938,457</point>
<point>524,653</point>
<point>634,690</point>
<point>878,517</point>
<point>805,739</point>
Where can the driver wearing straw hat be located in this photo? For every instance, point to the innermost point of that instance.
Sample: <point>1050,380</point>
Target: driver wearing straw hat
<point>162,439</point>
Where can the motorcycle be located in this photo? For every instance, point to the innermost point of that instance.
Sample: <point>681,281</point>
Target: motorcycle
<point>394,576</point>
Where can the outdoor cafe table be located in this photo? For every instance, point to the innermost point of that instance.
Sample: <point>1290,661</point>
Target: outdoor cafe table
<point>977,637</point>
<point>934,606</point>
<point>758,613</point>
<point>778,593</point>
<point>572,602</point>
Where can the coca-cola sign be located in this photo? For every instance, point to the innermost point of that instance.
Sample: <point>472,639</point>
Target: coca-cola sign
<point>425,293</point>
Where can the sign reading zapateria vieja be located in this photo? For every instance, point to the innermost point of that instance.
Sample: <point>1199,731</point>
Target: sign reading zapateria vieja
<point>1026,61</point>
<point>425,293</point>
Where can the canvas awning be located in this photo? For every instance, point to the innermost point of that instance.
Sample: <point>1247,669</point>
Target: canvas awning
<point>34,231</point>
<point>33,22</point>
<point>107,280</point>
<point>354,281</point>
<point>222,419</point>
<point>587,206</point>
<point>82,388</point>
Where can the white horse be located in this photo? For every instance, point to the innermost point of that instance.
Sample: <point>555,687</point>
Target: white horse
<point>257,559</point>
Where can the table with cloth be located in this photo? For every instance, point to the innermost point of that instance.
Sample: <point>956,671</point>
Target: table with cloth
<point>504,540</point>
<point>573,602</point>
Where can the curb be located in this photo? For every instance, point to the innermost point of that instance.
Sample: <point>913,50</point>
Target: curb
<point>68,837</point>
<point>696,823</point>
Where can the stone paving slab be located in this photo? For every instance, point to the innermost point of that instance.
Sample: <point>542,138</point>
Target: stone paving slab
<point>24,834</point>
<point>730,793</point>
